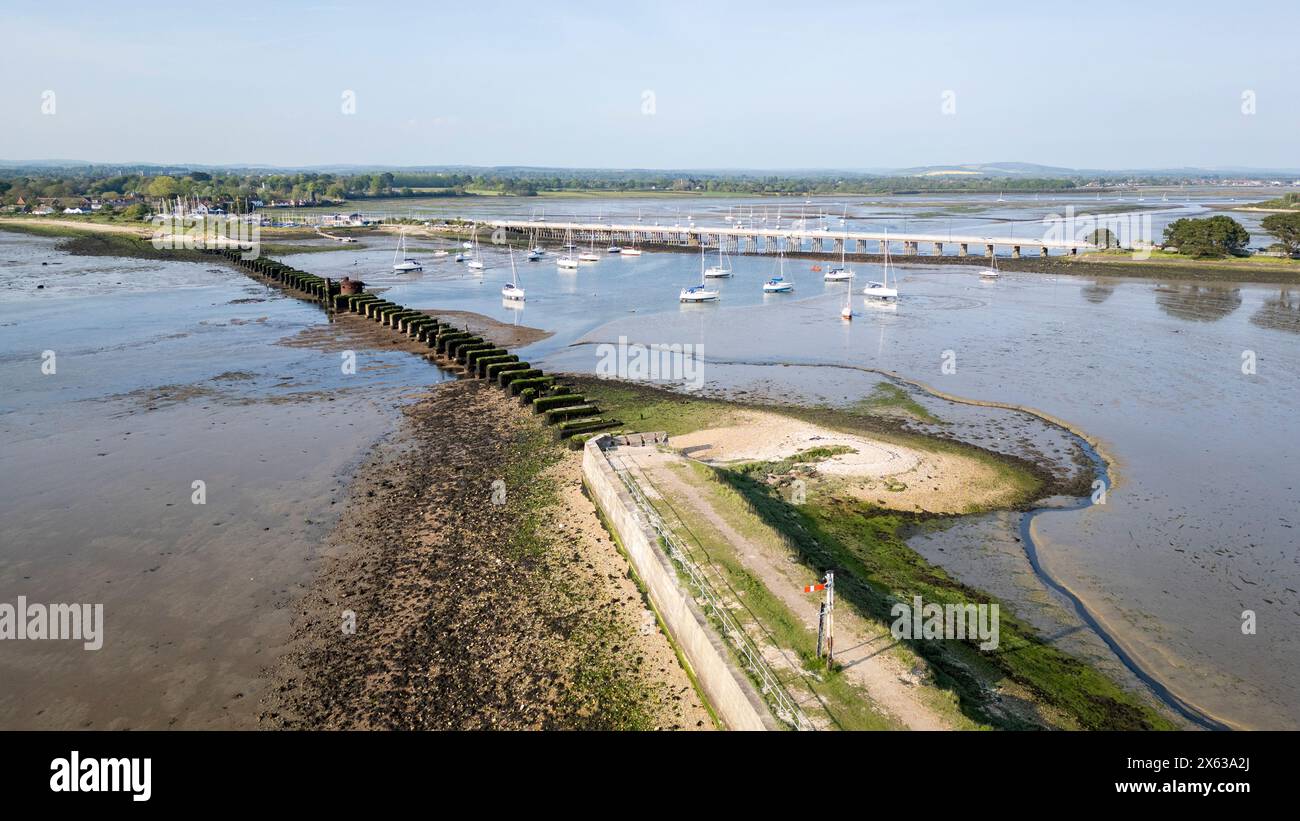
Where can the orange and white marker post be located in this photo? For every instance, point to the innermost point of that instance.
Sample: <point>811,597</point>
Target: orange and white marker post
<point>826,619</point>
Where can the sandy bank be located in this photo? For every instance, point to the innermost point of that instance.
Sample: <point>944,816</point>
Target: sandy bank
<point>883,473</point>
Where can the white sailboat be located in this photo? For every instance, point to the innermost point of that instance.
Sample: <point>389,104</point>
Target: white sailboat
<point>699,293</point>
<point>401,262</point>
<point>881,290</point>
<point>723,268</point>
<point>590,256</point>
<point>778,284</point>
<point>511,289</point>
<point>842,272</point>
<point>537,251</point>
<point>476,259</point>
<point>846,312</point>
<point>633,251</point>
<point>568,261</point>
<point>992,271</point>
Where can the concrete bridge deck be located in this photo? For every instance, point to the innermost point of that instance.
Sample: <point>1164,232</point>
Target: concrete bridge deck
<point>770,240</point>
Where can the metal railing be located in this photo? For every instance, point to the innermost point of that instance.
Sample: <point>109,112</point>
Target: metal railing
<point>783,706</point>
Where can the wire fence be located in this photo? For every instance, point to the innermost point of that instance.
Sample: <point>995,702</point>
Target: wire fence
<point>783,706</point>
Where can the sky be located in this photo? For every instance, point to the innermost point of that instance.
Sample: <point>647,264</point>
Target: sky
<point>789,85</point>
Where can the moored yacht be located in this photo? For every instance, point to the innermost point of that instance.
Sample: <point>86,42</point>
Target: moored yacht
<point>511,289</point>
<point>401,262</point>
<point>881,290</point>
<point>701,292</point>
<point>778,284</point>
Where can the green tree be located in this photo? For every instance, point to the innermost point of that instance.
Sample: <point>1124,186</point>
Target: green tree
<point>1286,227</point>
<point>1209,237</point>
<point>1103,238</point>
<point>163,187</point>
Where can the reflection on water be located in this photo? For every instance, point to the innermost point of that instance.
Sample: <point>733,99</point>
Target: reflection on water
<point>1098,291</point>
<point>1199,303</point>
<point>1280,314</point>
<point>1200,525</point>
<point>168,373</point>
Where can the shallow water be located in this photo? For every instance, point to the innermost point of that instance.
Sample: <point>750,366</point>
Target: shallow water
<point>167,374</point>
<point>1200,525</point>
<point>1016,216</point>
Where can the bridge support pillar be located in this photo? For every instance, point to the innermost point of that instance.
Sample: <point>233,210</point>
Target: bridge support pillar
<point>1015,252</point>
<point>1042,251</point>
<point>936,250</point>
<point>839,246</point>
<point>1073,252</point>
<point>963,249</point>
<point>988,250</point>
<point>910,248</point>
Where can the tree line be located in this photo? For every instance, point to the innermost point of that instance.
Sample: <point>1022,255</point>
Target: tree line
<point>239,187</point>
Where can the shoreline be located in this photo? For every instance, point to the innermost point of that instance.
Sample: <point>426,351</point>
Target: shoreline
<point>1107,463</point>
<point>470,614</point>
<point>832,534</point>
<point>1279,272</point>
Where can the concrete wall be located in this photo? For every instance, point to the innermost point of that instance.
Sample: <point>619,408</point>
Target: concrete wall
<point>729,692</point>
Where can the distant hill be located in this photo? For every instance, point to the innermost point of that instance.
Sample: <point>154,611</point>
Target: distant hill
<point>995,169</point>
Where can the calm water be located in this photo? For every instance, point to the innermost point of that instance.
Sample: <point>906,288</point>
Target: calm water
<point>167,374</point>
<point>1015,216</point>
<point>1201,523</point>
<point>1199,526</point>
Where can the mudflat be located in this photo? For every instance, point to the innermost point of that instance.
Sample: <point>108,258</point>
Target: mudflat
<point>469,613</point>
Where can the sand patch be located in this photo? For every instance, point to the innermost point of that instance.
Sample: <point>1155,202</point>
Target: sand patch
<point>882,473</point>
<point>768,437</point>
